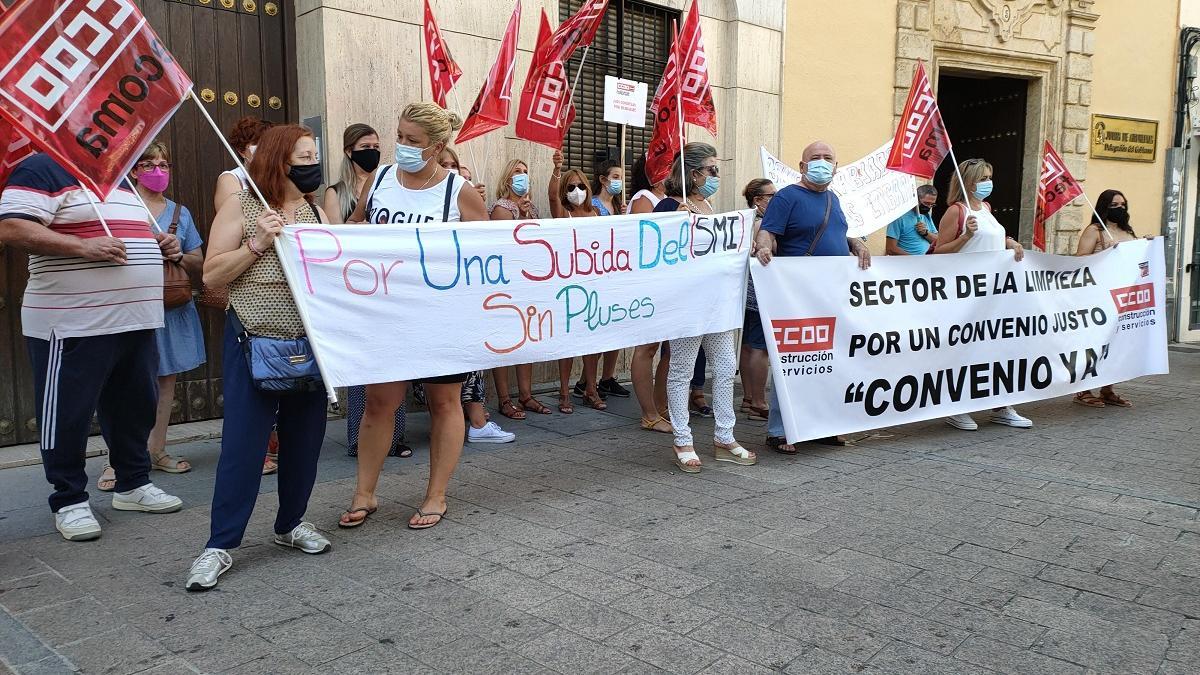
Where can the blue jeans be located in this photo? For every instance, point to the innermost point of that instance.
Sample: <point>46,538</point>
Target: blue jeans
<point>774,417</point>
<point>249,416</point>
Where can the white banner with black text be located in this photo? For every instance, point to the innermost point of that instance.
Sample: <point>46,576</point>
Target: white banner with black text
<point>921,337</point>
<point>391,302</point>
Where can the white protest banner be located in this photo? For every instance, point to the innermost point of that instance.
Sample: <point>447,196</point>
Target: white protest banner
<point>392,302</point>
<point>776,171</point>
<point>871,194</point>
<point>624,101</point>
<point>923,337</point>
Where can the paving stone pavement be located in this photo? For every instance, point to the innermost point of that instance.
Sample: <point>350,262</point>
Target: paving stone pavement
<point>1070,548</point>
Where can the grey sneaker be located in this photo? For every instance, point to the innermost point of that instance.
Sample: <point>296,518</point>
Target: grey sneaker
<point>147,498</point>
<point>76,522</point>
<point>208,568</point>
<point>306,538</point>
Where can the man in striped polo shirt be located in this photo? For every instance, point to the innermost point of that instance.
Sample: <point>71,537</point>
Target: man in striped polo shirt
<point>90,309</point>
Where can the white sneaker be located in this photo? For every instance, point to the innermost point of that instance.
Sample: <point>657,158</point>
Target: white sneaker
<point>489,433</point>
<point>76,522</point>
<point>208,568</point>
<point>306,538</point>
<point>963,422</point>
<point>1009,418</point>
<point>147,498</point>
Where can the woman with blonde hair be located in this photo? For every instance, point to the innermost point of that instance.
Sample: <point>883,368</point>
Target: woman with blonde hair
<point>968,226</point>
<point>514,203</point>
<point>418,187</point>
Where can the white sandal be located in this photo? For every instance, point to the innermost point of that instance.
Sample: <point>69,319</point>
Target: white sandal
<point>737,454</point>
<point>681,459</point>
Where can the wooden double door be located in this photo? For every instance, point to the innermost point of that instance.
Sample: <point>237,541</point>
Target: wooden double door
<point>241,56</point>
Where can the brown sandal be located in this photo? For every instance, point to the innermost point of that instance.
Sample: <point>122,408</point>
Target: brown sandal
<point>533,405</point>
<point>1113,398</point>
<point>107,482</point>
<point>564,405</point>
<point>168,464</point>
<point>660,425</point>
<point>595,402</point>
<point>510,410</point>
<point>1085,398</point>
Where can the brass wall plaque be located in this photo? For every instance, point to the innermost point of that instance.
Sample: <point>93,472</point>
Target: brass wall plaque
<point>1124,138</point>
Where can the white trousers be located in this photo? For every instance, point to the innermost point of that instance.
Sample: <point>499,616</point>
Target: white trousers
<point>721,351</point>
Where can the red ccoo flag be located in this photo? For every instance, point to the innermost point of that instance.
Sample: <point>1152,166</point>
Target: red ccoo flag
<point>1056,188</point>
<point>490,111</point>
<point>546,111</point>
<point>443,71</point>
<point>921,141</point>
<point>89,82</point>
<point>577,31</point>
<point>698,106</point>
<point>14,149</point>
<point>666,142</point>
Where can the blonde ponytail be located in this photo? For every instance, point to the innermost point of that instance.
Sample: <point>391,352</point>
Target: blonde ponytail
<point>437,122</point>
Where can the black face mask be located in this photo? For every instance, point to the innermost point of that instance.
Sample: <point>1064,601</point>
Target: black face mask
<point>306,177</point>
<point>924,209</point>
<point>1118,215</point>
<point>367,159</point>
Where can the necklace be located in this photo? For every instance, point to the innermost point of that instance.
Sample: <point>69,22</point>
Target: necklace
<point>426,183</point>
<point>692,206</point>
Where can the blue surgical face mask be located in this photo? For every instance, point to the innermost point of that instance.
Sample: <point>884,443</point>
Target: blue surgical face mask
<point>410,159</point>
<point>614,186</point>
<point>520,184</point>
<point>820,172</point>
<point>983,189</point>
<point>710,187</point>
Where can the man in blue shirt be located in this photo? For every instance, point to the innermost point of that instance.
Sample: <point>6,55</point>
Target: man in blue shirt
<point>806,219</point>
<point>914,232</point>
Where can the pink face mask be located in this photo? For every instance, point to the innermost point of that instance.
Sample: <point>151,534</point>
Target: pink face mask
<point>155,180</point>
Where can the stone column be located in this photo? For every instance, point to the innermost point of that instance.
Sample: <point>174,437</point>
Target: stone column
<point>1062,232</point>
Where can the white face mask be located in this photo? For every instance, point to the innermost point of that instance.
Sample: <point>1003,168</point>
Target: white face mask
<point>577,196</point>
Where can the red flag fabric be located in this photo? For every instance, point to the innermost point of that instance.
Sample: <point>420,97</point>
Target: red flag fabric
<point>575,32</point>
<point>665,142</point>
<point>698,105</point>
<point>1056,188</point>
<point>89,82</point>
<point>921,141</point>
<point>490,111</point>
<point>443,71</point>
<point>15,147</point>
<point>546,111</point>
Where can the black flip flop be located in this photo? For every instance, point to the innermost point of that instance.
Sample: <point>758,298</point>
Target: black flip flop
<point>356,523</point>
<point>422,514</point>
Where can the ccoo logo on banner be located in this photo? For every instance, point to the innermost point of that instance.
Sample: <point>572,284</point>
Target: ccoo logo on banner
<point>917,338</point>
<point>89,82</point>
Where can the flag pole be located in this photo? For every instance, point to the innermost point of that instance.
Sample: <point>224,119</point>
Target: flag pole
<point>96,207</point>
<point>149,213</point>
<point>1092,208</point>
<point>281,242</point>
<point>579,72</point>
<point>961,183</point>
<point>683,186</point>
<point>624,183</point>
<point>228,148</point>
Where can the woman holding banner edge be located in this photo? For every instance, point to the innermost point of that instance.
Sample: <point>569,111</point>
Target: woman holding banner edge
<point>416,185</point>
<point>968,226</point>
<point>698,162</point>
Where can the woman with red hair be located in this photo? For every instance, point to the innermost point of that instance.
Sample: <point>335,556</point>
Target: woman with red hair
<point>241,254</point>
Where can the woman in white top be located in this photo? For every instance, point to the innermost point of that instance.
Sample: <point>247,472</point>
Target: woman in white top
<point>416,189</point>
<point>972,228</point>
<point>244,139</point>
<point>645,196</point>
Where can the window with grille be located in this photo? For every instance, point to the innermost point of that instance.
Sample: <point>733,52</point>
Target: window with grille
<point>633,43</point>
